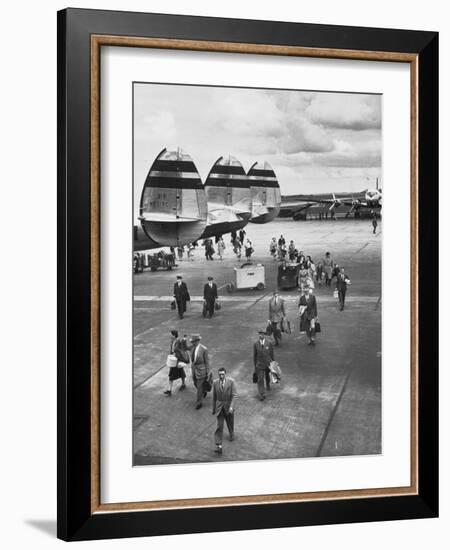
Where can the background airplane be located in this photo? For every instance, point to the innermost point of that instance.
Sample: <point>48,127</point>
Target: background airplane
<point>295,205</point>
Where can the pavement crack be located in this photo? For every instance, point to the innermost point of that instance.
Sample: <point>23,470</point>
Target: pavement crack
<point>148,377</point>
<point>259,299</point>
<point>333,414</point>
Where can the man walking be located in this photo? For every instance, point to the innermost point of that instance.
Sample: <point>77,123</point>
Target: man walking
<point>181,295</point>
<point>276,314</point>
<point>308,315</point>
<point>374,223</point>
<point>327,268</point>
<point>200,368</point>
<point>209,297</point>
<point>224,394</point>
<point>341,286</point>
<point>262,357</point>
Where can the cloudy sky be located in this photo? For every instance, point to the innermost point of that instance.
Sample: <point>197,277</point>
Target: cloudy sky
<point>316,142</point>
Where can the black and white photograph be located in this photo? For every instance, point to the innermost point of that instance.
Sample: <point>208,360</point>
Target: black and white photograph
<point>226,315</point>
<point>257,274</point>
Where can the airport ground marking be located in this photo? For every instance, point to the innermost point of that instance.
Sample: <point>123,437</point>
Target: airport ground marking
<point>164,323</point>
<point>288,297</point>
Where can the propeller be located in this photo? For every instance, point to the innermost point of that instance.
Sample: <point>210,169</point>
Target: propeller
<point>336,202</point>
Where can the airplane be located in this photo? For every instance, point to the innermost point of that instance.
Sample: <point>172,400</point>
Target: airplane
<point>266,195</point>
<point>294,205</point>
<point>228,196</point>
<point>176,209</point>
<point>173,208</point>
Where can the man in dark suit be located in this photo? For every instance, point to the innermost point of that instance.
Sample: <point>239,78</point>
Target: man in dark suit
<point>262,357</point>
<point>308,315</point>
<point>200,368</point>
<point>224,394</point>
<point>210,297</point>
<point>181,295</point>
<point>341,286</point>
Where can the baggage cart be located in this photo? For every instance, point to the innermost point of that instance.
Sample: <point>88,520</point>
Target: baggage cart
<point>248,276</point>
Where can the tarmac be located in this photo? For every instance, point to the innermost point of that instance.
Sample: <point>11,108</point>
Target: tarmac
<point>328,402</point>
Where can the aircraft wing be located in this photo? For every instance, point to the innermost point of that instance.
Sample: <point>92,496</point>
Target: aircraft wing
<point>222,214</point>
<point>259,210</point>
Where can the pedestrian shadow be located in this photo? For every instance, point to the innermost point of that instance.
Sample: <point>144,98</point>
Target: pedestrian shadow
<point>47,526</point>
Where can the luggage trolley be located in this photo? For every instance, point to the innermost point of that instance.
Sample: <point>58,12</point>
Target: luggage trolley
<point>288,275</point>
<point>248,275</point>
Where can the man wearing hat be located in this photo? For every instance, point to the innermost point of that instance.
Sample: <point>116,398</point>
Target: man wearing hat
<point>209,296</point>
<point>262,357</point>
<point>200,368</point>
<point>276,314</point>
<point>181,295</point>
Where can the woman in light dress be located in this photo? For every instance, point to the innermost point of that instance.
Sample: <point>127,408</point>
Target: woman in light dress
<point>221,248</point>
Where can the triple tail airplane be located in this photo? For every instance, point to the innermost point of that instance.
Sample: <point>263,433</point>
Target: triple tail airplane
<point>177,209</point>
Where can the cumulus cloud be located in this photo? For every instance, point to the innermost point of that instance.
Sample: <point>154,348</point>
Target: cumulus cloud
<point>305,136</point>
<point>345,111</point>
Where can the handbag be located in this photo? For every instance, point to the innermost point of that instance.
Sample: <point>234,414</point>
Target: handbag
<point>336,293</point>
<point>173,305</point>
<point>255,377</point>
<point>285,325</point>
<point>171,361</point>
<point>217,305</point>
<point>269,329</point>
<point>317,326</point>
<point>204,308</point>
<point>207,384</point>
